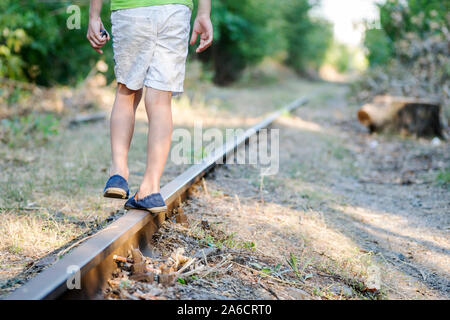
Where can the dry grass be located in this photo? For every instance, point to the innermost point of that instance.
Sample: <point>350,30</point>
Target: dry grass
<point>279,230</point>
<point>216,265</point>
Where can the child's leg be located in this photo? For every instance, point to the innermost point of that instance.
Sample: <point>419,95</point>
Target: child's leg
<point>159,113</point>
<point>122,127</point>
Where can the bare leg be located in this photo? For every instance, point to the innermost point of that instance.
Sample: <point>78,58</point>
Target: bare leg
<point>122,127</point>
<point>159,113</point>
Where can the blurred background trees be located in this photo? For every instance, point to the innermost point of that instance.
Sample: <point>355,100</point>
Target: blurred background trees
<point>402,21</point>
<point>36,46</point>
<point>307,39</point>
<point>406,48</point>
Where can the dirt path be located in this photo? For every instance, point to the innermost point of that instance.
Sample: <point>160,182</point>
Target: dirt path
<point>354,204</point>
<point>391,204</point>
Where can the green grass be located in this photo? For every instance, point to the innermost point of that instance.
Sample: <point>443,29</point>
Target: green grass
<point>443,178</point>
<point>294,263</point>
<point>21,131</point>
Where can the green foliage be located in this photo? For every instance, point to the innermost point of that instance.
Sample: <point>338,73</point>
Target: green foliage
<point>245,31</point>
<point>339,56</point>
<point>293,263</point>
<point>300,273</point>
<point>399,17</point>
<point>36,128</point>
<point>124,284</point>
<point>402,20</point>
<point>270,271</point>
<point>242,36</point>
<point>37,46</point>
<point>11,64</point>
<point>307,39</point>
<point>379,46</point>
<point>443,178</point>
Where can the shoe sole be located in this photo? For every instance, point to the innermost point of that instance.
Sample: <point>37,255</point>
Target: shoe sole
<point>151,210</point>
<point>116,193</point>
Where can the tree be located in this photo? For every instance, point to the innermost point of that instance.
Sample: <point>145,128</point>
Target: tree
<point>307,39</point>
<point>243,35</point>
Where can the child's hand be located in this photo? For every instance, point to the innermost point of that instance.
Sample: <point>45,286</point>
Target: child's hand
<point>97,35</point>
<point>203,27</point>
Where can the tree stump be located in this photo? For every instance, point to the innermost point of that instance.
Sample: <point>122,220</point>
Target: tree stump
<point>407,116</point>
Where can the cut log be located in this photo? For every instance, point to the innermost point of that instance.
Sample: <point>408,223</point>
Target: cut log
<point>400,114</point>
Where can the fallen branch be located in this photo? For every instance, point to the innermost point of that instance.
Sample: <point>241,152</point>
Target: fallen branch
<point>87,118</point>
<point>217,266</point>
<point>186,265</point>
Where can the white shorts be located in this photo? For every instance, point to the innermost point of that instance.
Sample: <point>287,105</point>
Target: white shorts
<point>150,46</point>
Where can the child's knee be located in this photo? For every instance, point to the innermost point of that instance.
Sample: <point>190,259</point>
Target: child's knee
<point>157,97</point>
<point>123,90</point>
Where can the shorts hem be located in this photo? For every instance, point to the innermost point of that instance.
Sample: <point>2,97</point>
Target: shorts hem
<point>164,87</point>
<point>129,86</point>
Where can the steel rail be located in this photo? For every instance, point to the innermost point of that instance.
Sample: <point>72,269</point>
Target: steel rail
<point>91,262</point>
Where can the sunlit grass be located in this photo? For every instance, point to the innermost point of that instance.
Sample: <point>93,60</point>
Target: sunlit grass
<point>443,178</point>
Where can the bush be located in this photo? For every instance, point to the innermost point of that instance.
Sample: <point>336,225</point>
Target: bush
<point>36,46</point>
<point>379,47</point>
<point>402,20</point>
<point>400,17</point>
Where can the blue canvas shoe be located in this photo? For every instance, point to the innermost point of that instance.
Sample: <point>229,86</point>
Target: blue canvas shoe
<point>116,187</point>
<point>153,203</point>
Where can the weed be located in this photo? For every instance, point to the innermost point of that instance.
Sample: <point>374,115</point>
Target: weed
<point>271,271</point>
<point>20,131</point>
<point>317,292</point>
<point>293,263</point>
<point>14,249</point>
<point>443,178</point>
<point>125,284</point>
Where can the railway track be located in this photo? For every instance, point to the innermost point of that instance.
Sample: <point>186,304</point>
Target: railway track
<point>91,264</point>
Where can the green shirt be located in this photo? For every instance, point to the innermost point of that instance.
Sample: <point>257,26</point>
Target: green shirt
<point>128,4</point>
